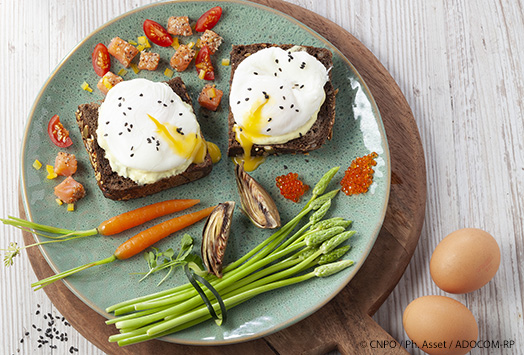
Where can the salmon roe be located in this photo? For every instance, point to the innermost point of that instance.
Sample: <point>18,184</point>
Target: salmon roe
<point>291,187</point>
<point>359,175</point>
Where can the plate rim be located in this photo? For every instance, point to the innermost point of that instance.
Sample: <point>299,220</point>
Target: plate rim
<point>282,325</point>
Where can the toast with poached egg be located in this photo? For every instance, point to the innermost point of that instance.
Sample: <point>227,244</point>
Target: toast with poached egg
<point>281,100</point>
<point>144,138</point>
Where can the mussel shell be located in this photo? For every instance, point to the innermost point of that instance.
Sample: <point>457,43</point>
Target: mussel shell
<point>256,202</point>
<point>215,236</point>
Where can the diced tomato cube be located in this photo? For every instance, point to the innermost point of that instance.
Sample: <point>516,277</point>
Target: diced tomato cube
<point>210,97</point>
<point>179,26</point>
<point>69,190</point>
<point>108,81</point>
<point>148,60</point>
<point>122,51</point>
<point>182,57</point>
<point>65,164</point>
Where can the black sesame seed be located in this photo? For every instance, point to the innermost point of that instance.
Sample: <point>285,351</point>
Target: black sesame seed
<point>120,133</point>
<point>157,149</point>
<point>37,312</point>
<point>165,105</point>
<point>276,74</point>
<point>279,69</point>
<point>281,107</point>
<point>34,326</point>
<point>120,98</point>
<point>40,345</point>
<point>299,134</point>
<point>266,96</point>
<point>131,155</point>
<point>129,108</point>
<point>105,134</point>
<point>292,105</point>
<point>285,166</point>
<point>129,130</point>
<point>179,130</point>
<point>119,104</point>
<point>296,110</point>
<point>124,113</point>
<point>125,124</point>
<point>283,97</point>
<point>269,129</point>
<point>180,114</point>
<point>255,73</point>
<point>131,125</point>
<point>26,333</point>
<point>39,329</point>
<point>141,95</point>
<point>238,102</point>
<point>301,86</point>
<point>269,119</point>
<point>303,65</point>
<point>153,138</point>
<point>22,340</point>
<point>172,101</point>
<point>276,61</point>
<point>132,147</point>
<point>249,89</point>
<point>247,98</point>
<point>159,101</point>
<point>281,87</point>
<point>106,123</point>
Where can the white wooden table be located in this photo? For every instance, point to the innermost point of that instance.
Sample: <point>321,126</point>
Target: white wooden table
<point>460,65</point>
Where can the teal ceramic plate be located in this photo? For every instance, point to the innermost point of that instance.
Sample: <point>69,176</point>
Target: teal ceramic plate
<point>358,131</point>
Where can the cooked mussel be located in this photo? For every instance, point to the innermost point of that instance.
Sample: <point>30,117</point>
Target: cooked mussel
<point>256,203</point>
<point>215,236</point>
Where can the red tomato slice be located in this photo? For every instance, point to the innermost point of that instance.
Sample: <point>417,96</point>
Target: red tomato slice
<point>101,59</point>
<point>58,134</point>
<point>203,62</point>
<point>209,19</point>
<point>157,34</point>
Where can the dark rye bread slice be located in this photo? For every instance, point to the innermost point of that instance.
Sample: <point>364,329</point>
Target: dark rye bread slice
<point>321,129</point>
<point>116,187</point>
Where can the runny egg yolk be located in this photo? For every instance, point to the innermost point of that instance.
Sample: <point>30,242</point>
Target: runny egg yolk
<point>187,146</point>
<point>253,124</point>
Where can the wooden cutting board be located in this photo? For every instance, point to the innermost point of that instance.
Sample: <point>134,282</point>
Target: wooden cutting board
<point>345,323</point>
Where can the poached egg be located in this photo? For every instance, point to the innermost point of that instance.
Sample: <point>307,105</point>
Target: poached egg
<point>275,97</point>
<point>148,132</point>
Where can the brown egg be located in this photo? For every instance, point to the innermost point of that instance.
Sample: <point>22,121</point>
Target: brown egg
<point>465,260</point>
<point>440,325</point>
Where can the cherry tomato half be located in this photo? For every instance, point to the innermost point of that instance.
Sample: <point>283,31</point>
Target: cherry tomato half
<point>209,19</point>
<point>101,59</point>
<point>58,134</point>
<point>157,34</point>
<point>203,63</point>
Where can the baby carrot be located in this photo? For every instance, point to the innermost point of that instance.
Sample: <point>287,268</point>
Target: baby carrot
<point>141,215</point>
<point>136,244</point>
<point>145,239</point>
<point>111,226</point>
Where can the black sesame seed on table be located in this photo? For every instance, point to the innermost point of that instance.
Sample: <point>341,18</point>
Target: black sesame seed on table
<point>269,119</point>
<point>281,107</point>
<point>180,113</point>
<point>247,98</point>
<point>249,89</point>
